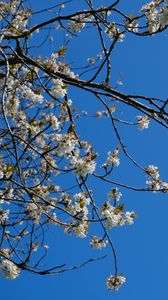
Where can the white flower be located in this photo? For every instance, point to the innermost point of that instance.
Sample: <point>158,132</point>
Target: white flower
<point>34,247</point>
<point>133,26</point>
<point>81,229</point>
<point>46,247</point>
<point>91,60</point>
<point>59,89</point>
<point>30,94</point>
<point>154,184</point>
<point>152,171</point>
<point>148,7</point>
<point>143,122</point>
<point>81,198</point>
<point>66,144</point>
<point>129,217</point>
<point>114,194</point>
<point>152,16</point>
<point>97,242</point>
<point>33,212</point>
<point>114,282</point>
<point>112,158</point>
<point>54,122</point>
<point>8,269</point>
<point>69,102</point>
<point>115,216</point>
<point>109,212</point>
<point>4,215</point>
<point>1,174</point>
<point>165,187</point>
<point>98,114</point>
<point>163,18</point>
<point>5,251</point>
<point>114,32</point>
<point>77,23</point>
<point>83,166</point>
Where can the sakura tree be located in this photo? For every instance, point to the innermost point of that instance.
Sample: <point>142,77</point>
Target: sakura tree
<point>47,170</point>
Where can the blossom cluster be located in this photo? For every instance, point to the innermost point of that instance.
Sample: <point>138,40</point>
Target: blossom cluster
<point>114,32</point>
<point>112,158</point>
<point>8,269</point>
<point>143,122</point>
<point>8,7</point>
<point>115,215</point>
<point>98,242</point>
<point>114,194</point>
<point>79,22</point>
<point>156,15</point>
<point>154,180</point>
<point>114,282</point>
<point>83,166</point>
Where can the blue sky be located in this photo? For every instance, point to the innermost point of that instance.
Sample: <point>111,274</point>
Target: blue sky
<point>141,248</point>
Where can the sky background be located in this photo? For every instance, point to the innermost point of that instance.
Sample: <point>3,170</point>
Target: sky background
<point>141,248</point>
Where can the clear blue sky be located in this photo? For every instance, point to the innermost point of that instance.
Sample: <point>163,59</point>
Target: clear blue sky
<point>141,248</point>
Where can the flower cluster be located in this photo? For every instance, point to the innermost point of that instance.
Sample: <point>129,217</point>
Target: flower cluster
<point>18,22</point>
<point>79,22</point>
<point>154,180</point>
<point>81,229</point>
<point>114,32</point>
<point>152,171</point>
<point>114,282</point>
<point>33,212</point>
<point>114,194</point>
<point>58,89</point>
<point>66,143</point>
<point>157,18</point>
<point>97,242</point>
<point>4,215</point>
<point>79,207</point>
<point>28,93</point>
<point>83,166</point>
<point>115,215</point>
<point>132,26</point>
<point>143,122</point>
<point>8,269</point>
<point>112,158</point>
<point>8,7</point>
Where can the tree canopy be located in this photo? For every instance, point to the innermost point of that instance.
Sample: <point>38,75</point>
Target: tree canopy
<point>50,171</point>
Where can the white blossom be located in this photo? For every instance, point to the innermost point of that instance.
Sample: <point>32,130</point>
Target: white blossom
<point>4,215</point>
<point>83,166</point>
<point>114,282</point>
<point>30,94</point>
<point>129,217</point>
<point>1,174</point>
<point>133,26</point>
<point>152,171</point>
<point>33,212</point>
<point>114,194</point>
<point>112,158</point>
<point>81,229</point>
<point>163,18</point>
<point>58,89</point>
<point>165,187</point>
<point>143,122</point>
<point>54,122</point>
<point>8,269</point>
<point>114,32</point>
<point>66,144</point>
<point>97,242</point>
